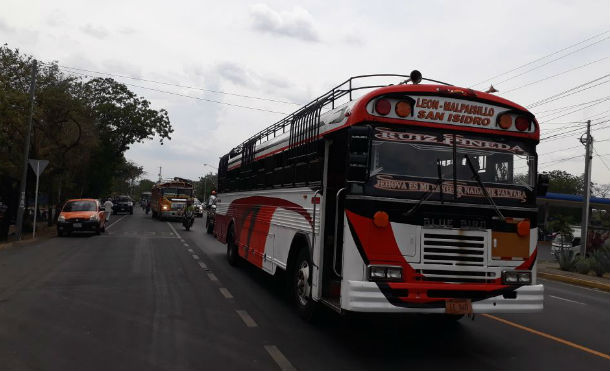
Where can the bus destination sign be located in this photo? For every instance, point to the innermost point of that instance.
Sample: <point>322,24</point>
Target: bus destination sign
<point>455,112</point>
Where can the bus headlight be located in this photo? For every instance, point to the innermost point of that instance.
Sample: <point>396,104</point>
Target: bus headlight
<point>384,273</point>
<point>164,207</point>
<point>516,277</point>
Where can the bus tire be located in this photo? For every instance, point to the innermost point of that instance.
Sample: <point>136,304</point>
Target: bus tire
<point>300,283</point>
<point>232,253</point>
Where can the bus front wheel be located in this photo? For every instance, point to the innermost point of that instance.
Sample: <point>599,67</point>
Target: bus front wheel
<point>301,285</point>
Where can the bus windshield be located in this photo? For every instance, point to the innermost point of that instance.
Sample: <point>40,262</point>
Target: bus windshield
<point>399,156</point>
<point>177,192</point>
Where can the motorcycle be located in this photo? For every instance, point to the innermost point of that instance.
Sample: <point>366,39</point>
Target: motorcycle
<point>187,220</point>
<point>210,219</point>
<point>147,209</point>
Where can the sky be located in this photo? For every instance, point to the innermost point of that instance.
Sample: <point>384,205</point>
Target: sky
<point>272,56</point>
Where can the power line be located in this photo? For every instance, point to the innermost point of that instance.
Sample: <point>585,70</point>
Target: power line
<point>550,77</point>
<point>563,134</point>
<point>193,97</point>
<point>541,58</point>
<point>601,158</point>
<point>578,109</point>
<point>551,61</point>
<point>559,150</point>
<point>538,114</point>
<point>68,68</point>
<point>564,94</point>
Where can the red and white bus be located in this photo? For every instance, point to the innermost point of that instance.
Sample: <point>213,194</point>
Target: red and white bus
<point>409,198</point>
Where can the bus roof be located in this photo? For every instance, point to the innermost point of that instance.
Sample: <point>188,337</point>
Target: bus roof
<point>172,183</point>
<point>332,115</point>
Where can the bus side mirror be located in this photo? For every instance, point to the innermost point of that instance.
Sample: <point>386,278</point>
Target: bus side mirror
<point>359,144</point>
<point>542,185</point>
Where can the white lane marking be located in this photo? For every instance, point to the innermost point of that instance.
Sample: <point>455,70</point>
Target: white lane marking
<point>225,293</point>
<point>202,265</point>
<point>564,299</point>
<point>190,250</point>
<point>195,256</point>
<point>112,225</point>
<point>186,244</point>
<point>246,318</point>
<point>212,277</point>
<point>279,358</point>
<point>174,230</point>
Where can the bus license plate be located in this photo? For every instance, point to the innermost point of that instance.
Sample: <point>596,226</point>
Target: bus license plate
<point>458,306</point>
<point>77,225</point>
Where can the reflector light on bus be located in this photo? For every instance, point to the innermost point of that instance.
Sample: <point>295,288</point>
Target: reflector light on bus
<point>403,108</point>
<point>522,123</point>
<point>505,122</point>
<point>383,106</point>
<point>523,228</point>
<point>381,219</point>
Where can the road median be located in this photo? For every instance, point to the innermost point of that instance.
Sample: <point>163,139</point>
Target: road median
<point>547,270</point>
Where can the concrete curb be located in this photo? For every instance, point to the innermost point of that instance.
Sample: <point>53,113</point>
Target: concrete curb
<point>8,245</point>
<point>575,281</point>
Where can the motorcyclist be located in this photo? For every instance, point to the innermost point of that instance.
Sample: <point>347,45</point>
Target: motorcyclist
<point>212,199</point>
<point>188,214</point>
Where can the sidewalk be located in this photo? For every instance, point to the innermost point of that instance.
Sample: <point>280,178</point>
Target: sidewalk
<point>551,271</point>
<point>43,232</point>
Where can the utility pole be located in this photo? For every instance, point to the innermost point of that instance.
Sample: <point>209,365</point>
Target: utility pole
<point>588,142</point>
<point>26,154</point>
<point>160,174</point>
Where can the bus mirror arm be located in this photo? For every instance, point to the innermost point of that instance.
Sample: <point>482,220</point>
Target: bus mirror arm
<point>542,185</point>
<point>336,232</point>
<point>476,176</point>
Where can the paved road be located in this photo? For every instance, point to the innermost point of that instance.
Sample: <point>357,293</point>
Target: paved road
<point>142,297</point>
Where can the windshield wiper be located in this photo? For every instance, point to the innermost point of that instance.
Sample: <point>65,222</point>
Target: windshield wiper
<point>426,196</point>
<point>478,179</point>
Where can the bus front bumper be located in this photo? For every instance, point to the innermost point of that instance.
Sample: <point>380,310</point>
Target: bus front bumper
<point>364,296</point>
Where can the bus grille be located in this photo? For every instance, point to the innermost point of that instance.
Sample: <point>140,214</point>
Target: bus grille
<point>455,255</point>
<point>454,247</point>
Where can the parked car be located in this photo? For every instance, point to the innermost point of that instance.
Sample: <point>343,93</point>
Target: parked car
<point>562,243</point>
<point>79,215</point>
<point>198,208</point>
<point>122,204</point>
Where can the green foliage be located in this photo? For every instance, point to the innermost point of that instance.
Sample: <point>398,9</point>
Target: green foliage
<point>600,261</point>
<point>83,127</point>
<point>562,226</point>
<point>582,265</point>
<point>566,260</point>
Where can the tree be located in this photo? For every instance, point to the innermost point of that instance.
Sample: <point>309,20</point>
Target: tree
<point>563,182</point>
<point>83,127</point>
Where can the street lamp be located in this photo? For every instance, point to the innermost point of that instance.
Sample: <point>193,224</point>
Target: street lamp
<point>205,184</point>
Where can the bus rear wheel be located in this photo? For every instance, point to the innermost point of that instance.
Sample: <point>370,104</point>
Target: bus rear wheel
<point>232,253</point>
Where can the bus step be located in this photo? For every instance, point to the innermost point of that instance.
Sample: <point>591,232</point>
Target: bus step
<point>332,303</point>
<point>334,289</point>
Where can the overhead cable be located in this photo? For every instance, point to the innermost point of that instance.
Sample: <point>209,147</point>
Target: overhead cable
<point>541,58</point>
<point>552,76</point>
<point>175,85</point>
<point>564,93</point>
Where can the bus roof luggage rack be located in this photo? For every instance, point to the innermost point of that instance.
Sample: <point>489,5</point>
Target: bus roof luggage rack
<point>314,107</point>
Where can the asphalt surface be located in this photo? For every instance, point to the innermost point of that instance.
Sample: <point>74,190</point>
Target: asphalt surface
<point>141,297</point>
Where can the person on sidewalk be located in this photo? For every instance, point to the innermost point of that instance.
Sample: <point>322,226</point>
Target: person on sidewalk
<point>108,209</point>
